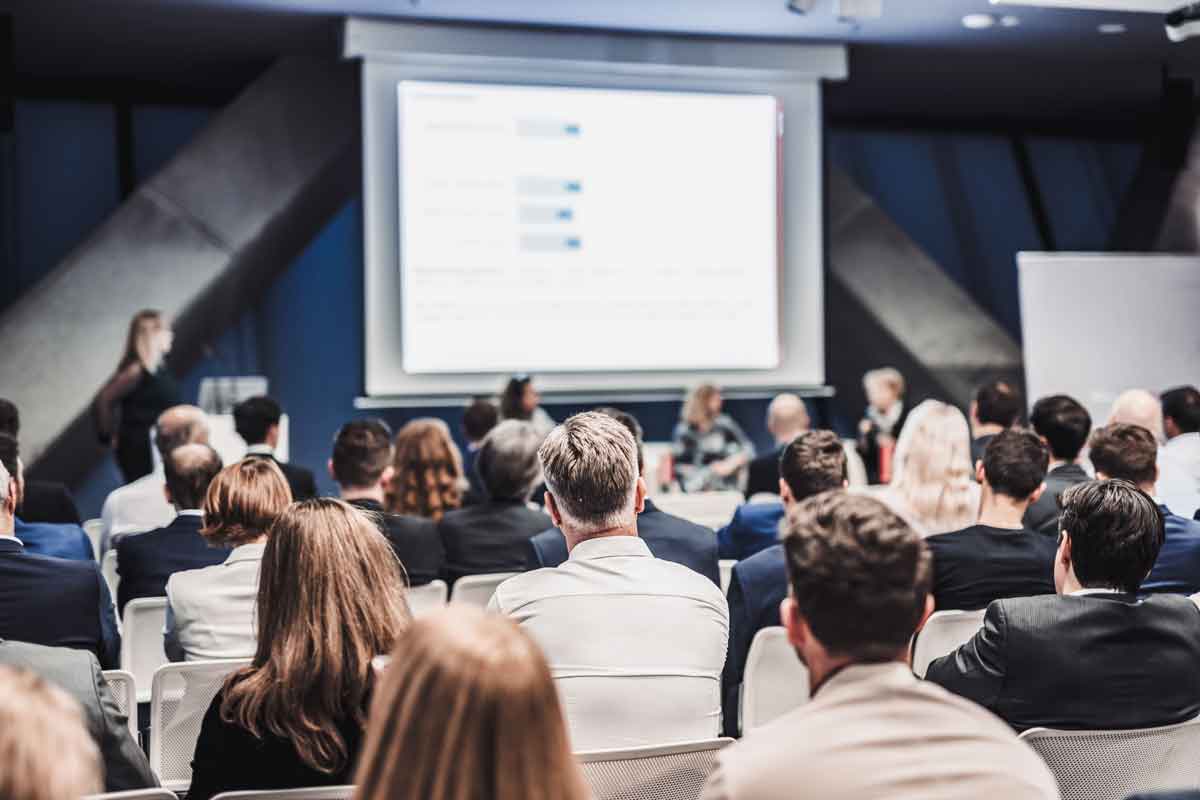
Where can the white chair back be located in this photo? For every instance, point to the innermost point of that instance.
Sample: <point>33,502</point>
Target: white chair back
<point>726,565</point>
<point>856,468</point>
<point>316,793</point>
<point>94,528</point>
<point>477,590</point>
<point>135,794</point>
<point>775,681</point>
<point>108,568</point>
<point>711,509</point>
<point>668,772</point>
<point>763,499</point>
<point>180,696</point>
<point>142,641</point>
<point>944,633</point>
<point>1104,765</point>
<point>124,691</point>
<point>425,599</point>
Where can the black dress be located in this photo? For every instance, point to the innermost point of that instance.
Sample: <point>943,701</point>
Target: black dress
<point>153,394</point>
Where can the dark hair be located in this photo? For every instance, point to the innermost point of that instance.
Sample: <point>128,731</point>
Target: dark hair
<point>813,462</point>
<point>633,426</point>
<point>1064,423</point>
<point>510,400</point>
<point>1015,463</point>
<point>10,418</point>
<point>1116,532</point>
<point>362,452</point>
<point>10,454</point>
<point>1128,452</point>
<point>189,470</point>
<point>253,417</point>
<point>859,573</point>
<point>1182,404</point>
<point>479,418</point>
<point>998,403</point>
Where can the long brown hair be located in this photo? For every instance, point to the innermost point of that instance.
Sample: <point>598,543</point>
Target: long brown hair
<point>428,470</point>
<point>138,347</point>
<point>243,501</point>
<point>697,410</point>
<point>318,629</point>
<point>467,710</point>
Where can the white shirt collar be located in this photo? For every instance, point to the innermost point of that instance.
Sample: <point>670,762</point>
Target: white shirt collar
<point>260,450</point>
<point>609,546</point>
<point>246,552</point>
<point>190,512</point>
<point>1093,590</point>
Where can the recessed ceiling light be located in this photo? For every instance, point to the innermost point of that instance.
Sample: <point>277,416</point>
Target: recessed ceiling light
<point>978,22</point>
<point>1009,21</point>
<point>1112,28</point>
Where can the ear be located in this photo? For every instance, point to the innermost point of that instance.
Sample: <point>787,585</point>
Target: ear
<point>167,494</point>
<point>785,493</point>
<point>927,613</point>
<point>1037,493</point>
<point>389,473</point>
<point>797,627</point>
<point>980,472</point>
<point>1064,551</point>
<point>1100,476</point>
<point>552,508</point>
<point>639,496</point>
<point>329,467</point>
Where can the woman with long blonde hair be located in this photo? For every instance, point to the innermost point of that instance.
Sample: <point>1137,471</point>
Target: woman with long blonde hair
<point>428,477</point>
<point>467,710</point>
<point>330,599</point>
<point>932,484</point>
<point>709,449</point>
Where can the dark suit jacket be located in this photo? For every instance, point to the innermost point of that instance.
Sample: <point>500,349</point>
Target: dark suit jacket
<point>415,540</point>
<point>1177,569</point>
<point>977,565</point>
<point>753,528</point>
<point>78,674</point>
<point>491,537</point>
<point>764,474</point>
<point>300,480</point>
<point>146,560</point>
<point>57,603</point>
<point>669,537</point>
<point>1043,515</point>
<point>1099,661</point>
<point>978,446</point>
<point>57,539</point>
<point>48,502</point>
<point>757,587</point>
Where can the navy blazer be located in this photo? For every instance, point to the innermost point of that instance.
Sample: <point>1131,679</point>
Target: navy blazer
<point>56,603</point>
<point>756,588</point>
<point>754,527</point>
<point>669,537</point>
<point>146,560</point>
<point>1177,569</point>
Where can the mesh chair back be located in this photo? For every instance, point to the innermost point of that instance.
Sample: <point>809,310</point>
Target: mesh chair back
<point>711,509</point>
<point>180,696</point>
<point>135,794</point>
<point>425,599</point>
<point>124,691</point>
<point>317,793</point>
<point>725,565</point>
<point>775,681</point>
<point>108,568</point>
<point>94,528</point>
<point>477,590</point>
<point>1098,765</point>
<point>670,772</point>
<point>142,641</point>
<point>944,633</point>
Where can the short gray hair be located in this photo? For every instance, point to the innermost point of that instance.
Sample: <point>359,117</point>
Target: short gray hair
<point>591,470</point>
<point>508,460</point>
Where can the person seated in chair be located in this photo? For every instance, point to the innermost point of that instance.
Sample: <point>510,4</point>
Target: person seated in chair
<point>257,422</point>
<point>60,540</point>
<point>1063,425</point>
<point>41,501</point>
<point>787,418</point>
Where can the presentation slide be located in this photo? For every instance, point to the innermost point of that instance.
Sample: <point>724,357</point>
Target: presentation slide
<point>586,230</point>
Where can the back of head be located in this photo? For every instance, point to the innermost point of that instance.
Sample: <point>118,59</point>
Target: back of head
<point>633,426</point>
<point>10,455</point>
<point>479,418</point>
<point>511,399</point>
<point>10,418</point>
<point>189,471</point>
<point>1015,463</point>
<point>1128,452</point>
<point>812,463</point>
<point>180,425</point>
<point>46,752</point>
<point>590,466</point>
<point>429,471</point>
<point>1182,406</point>
<point>318,629</point>
<point>859,573</point>
<point>362,452</point>
<point>254,417</point>
<point>1064,423</point>
<point>508,460</point>
<point>998,403</point>
<point>243,501</point>
<point>1116,532</point>
<point>467,709</point>
<point>787,416</point>
<point>933,467</point>
<point>1138,407</point>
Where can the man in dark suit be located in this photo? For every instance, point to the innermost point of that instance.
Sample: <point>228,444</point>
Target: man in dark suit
<point>60,540</point>
<point>669,537</point>
<point>1093,656</point>
<point>998,557</point>
<point>812,463</point>
<point>146,560</point>
<point>78,674</point>
<point>257,421</point>
<point>478,420</point>
<point>362,467</point>
<point>787,418</point>
<point>997,406</point>
<point>41,501</point>
<point>1063,425</point>
<point>52,601</point>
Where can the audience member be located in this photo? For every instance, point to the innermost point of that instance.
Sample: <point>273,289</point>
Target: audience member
<point>494,536</point>
<point>882,423</point>
<point>61,540</point>
<point>257,422</point>
<point>145,561</point>
<point>860,578</point>
<point>521,401</point>
<point>1181,424</point>
<point>933,485</point>
<point>787,418</point>
<point>472,685</point>
<point>1094,656</point>
<point>478,419</point>
<point>669,537</point>
<point>997,406</point>
<point>708,448</point>
<point>78,674</point>
<point>813,463</point>
<point>42,501</point>
<point>427,477</point>
<point>998,557</point>
<point>210,611</point>
<point>636,643</point>
<point>46,749</point>
<point>330,599</point>
<point>1140,407</point>
<point>142,505</point>
<point>1063,425</point>
<point>1129,452</point>
<point>52,601</point>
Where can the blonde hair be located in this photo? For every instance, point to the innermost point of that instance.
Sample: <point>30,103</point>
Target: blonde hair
<point>467,710</point>
<point>243,501</point>
<point>139,345</point>
<point>696,411</point>
<point>933,468</point>
<point>46,752</point>
<point>428,470</point>
<point>330,599</point>
<point>889,375</point>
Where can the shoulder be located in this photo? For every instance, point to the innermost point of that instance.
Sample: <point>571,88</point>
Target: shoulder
<point>760,513</point>
<point>660,523</point>
<point>766,564</point>
<point>675,578</point>
<point>183,583</point>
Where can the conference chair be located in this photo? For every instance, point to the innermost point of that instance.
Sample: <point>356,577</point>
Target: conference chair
<point>664,772</point>
<point>477,590</point>
<point>135,794</point>
<point>726,565</point>
<point>94,528</point>
<point>944,632</point>
<point>710,509</point>
<point>775,681</point>
<point>317,793</point>
<point>426,599</point>
<point>124,691</point>
<point>108,568</point>
<point>179,697</point>
<point>142,641</point>
<point>1111,765</point>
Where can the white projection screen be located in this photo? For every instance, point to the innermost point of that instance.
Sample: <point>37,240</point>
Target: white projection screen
<point>558,204</point>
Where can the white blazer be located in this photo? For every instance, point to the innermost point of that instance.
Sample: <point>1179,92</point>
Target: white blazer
<point>210,611</point>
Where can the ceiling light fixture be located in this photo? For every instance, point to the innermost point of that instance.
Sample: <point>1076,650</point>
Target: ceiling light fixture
<point>978,22</point>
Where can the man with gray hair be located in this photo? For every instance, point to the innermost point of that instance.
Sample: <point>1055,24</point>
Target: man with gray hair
<point>636,644</point>
<point>787,418</point>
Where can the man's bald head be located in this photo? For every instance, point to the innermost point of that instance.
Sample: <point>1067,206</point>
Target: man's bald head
<point>190,468</point>
<point>1138,407</point>
<point>787,417</point>
<point>180,425</point>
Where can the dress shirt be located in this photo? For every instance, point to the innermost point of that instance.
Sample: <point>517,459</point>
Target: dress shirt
<point>635,643</point>
<point>1184,454</point>
<point>1178,485</point>
<point>136,507</point>
<point>210,611</point>
<point>56,540</point>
